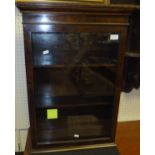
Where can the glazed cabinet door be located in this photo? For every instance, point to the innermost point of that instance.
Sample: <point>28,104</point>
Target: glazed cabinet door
<point>74,81</point>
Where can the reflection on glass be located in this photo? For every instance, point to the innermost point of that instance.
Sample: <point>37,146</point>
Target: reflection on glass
<point>74,48</point>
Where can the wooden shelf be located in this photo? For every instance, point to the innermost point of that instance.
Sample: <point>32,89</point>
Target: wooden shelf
<point>55,90</point>
<point>77,65</point>
<point>71,90</point>
<point>71,101</point>
<point>48,62</point>
<point>68,82</point>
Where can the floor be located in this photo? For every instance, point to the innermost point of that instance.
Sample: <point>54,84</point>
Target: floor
<point>127,138</point>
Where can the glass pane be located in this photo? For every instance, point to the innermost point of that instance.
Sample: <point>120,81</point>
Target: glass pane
<point>74,73</point>
<point>74,48</point>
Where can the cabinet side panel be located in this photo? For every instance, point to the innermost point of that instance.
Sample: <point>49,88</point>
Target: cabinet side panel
<point>123,47</point>
<point>30,87</point>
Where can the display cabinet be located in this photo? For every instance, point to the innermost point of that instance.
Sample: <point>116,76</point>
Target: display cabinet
<point>74,54</point>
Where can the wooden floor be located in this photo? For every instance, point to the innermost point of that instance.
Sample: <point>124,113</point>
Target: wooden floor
<point>127,139</point>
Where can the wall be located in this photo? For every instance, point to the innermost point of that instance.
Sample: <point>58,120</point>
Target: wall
<point>21,107</point>
<point>129,103</point>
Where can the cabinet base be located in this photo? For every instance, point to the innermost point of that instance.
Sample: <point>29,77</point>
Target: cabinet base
<point>97,151</point>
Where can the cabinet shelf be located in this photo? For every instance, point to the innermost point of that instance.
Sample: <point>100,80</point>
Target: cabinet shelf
<point>71,49</point>
<point>75,66</point>
<point>71,101</point>
<point>72,89</point>
<point>67,128</point>
<point>74,121</point>
<point>87,62</point>
<point>73,82</point>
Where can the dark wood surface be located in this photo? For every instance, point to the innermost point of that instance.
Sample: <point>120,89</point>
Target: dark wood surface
<point>77,6</point>
<point>135,2</point>
<point>70,28</point>
<point>97,151</point>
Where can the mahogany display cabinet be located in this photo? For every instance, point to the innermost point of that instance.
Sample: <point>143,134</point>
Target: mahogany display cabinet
<point>74,54</point>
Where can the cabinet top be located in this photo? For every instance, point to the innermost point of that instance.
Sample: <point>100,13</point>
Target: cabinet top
<point>73,6</point>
